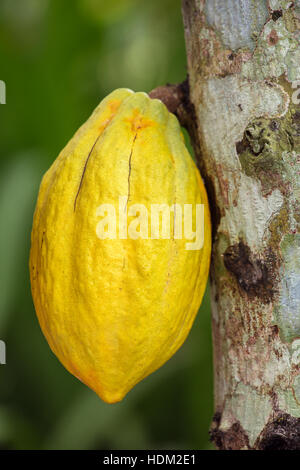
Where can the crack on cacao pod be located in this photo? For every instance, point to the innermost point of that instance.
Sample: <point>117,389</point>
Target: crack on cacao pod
<point>129,170</point>
<point>84,170</point>
<point>235,438</point>
<point>254,276</point>
<point>43,235</point>
<point>281,433</point>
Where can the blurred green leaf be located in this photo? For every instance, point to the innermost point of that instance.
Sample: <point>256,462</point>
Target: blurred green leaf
<point>18,185</point>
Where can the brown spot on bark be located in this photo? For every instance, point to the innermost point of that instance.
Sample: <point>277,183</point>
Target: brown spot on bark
<point>274,125</point>
<point>177,100</point>
<point>273,38</point>
<point>276,15</point>
<point>251,341</point>
<point>274,331</point>
<point>253,275</point>
<point>282,433</point>
<point>169,94</point>
<point>234,438</point>
<point>296,122</point>
<point>223,184</point>
<point>242,146</point>
<point>84,170</point>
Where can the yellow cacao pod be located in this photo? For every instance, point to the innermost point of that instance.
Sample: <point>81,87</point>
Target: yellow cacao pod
<point>115,307</point>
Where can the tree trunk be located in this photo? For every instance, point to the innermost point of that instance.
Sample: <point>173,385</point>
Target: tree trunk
<point>244,78</point>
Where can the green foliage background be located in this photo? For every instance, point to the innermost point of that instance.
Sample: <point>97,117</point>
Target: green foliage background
<point>59,58</point>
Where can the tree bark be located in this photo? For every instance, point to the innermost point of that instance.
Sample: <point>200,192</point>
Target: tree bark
<point>244,82</point>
